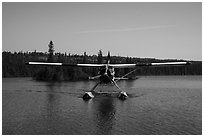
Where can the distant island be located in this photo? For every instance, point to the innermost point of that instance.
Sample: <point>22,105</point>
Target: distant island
<point>14,65</point>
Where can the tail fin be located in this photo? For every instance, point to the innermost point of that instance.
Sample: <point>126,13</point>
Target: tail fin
<point>108,57</point>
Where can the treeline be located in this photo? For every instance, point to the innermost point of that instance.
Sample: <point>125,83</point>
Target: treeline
<point>13,65</point>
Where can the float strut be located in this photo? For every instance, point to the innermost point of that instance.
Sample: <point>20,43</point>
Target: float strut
<point>122,95</point>
<point>89,95</point>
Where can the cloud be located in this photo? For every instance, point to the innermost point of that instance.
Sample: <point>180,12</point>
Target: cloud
<point>126,29</point>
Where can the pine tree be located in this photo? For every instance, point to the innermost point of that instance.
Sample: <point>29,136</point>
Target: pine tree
<point>50,51</point>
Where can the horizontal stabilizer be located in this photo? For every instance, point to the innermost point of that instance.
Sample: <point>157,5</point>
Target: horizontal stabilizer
<point>122,65</point>
<point>120,78</point>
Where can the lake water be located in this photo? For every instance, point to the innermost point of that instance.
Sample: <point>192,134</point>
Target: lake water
<point>156,105</point>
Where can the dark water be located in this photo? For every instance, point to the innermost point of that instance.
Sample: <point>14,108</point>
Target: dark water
<point>156,105</point>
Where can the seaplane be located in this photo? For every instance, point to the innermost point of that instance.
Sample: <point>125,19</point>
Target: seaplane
<point>107,73</point>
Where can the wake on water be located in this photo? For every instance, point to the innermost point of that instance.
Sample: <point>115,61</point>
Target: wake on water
<point>80,92</point>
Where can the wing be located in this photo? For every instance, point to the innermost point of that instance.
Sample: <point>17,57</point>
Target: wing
<point>112,65</point>
<point>147,64</point>
<point>65,64</point>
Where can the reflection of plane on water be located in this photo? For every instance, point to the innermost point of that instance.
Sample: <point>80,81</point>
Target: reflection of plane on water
<point>107,73</point>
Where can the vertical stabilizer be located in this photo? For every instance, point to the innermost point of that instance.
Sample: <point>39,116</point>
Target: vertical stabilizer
<point>108,57</point>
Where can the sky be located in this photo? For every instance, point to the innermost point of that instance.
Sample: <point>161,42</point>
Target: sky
<point>146,30</point>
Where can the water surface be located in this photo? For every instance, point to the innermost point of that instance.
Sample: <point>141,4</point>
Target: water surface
<point>156,105</point>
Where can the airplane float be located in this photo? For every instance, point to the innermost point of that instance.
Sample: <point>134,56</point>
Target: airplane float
<point>107,73</point>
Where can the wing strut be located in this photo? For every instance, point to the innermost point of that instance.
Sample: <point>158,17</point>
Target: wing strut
<point>126,75</point>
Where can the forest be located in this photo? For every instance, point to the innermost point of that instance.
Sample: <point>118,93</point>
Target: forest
<point>14,65</point>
